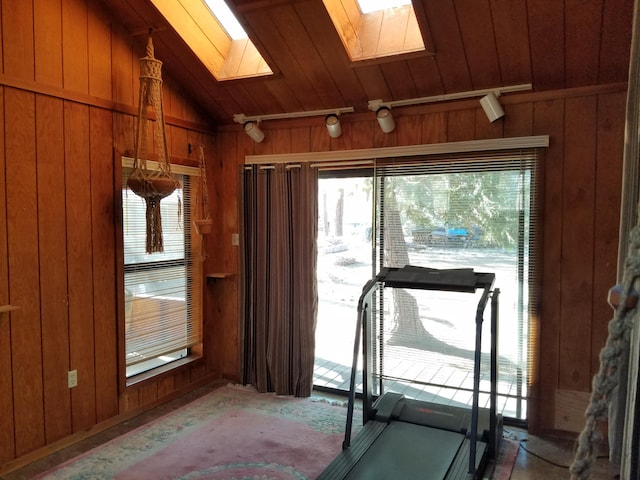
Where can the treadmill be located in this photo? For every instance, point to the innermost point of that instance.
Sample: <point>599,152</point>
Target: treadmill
<point>405,438</point>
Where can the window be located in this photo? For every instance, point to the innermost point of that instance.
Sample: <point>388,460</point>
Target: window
<point>162,291</point>
<point>371,30</point>
<point>227,54</point>
<point>474,210</point>
<point>459,212</point>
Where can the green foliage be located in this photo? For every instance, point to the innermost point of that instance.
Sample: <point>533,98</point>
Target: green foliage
<point>487,203</point>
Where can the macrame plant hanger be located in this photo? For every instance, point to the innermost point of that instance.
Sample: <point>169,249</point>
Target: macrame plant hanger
<point>203,221</point>
<point>151,184</point>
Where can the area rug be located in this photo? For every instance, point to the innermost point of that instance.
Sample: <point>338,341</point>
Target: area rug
<point>232,433</point>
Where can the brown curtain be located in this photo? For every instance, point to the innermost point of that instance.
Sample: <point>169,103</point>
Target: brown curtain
<point>280,298</point>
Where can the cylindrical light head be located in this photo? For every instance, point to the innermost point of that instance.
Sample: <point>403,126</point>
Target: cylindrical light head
<point>333,125</point>
<point>492,107</point>
<point>385,119</point>
<point>252,129</point>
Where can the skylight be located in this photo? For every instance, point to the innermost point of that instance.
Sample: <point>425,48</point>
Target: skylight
<point>368,6</point>
<point>215,36</point>
<point>228,20</point>
<point>372,29</point>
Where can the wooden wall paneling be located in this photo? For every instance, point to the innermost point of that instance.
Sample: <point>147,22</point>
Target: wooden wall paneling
<point>47,21</point>
<point>362,132</point>
<point>577,243</point>
<point>373,83</point>
<point>512,40</point>
<point>615,43</point>
<point>316,21</point>
<point>129,400</point>
<point>17,40</point>
<point>52,238</point>
<point>461,125</point>
<point>75,55</point>
<point>548,119</point>
<point>409,130</point>
<point>582,41</point>
<point>343,142</point>
<point>610,145</point>
<point>104,258</point>
<point>302,47</point>
<point>148,393</point>
<point>7,438</point>
<point>166,386</point>
<point>99,52</point>
<point>485,128</point>
<point>398,76</point>
<point>424,71</point>
<point>320,139</point>
<point>547,52</point>
<point>24,279</point>
<point>434,127</point>
<point>518,119</point>
<point>449,49</point>
<point>124,83</point>
<point>478,37</point>
<point>80,263</point>
<point>123,134</point>
<point>179,143</point>
<point>302,87</point>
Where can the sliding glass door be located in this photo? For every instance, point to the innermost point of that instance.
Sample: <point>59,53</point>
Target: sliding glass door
<point>345,212</point>
<point>462,212</point>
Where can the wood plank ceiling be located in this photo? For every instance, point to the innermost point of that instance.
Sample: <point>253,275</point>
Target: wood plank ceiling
<point>478,44</point>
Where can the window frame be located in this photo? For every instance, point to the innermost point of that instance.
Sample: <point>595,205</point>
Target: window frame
<point>194,284</point>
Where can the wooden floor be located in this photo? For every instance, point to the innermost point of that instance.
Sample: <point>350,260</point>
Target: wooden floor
<point>538,458</point>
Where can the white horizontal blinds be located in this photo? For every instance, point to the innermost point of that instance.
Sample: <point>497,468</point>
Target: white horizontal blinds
<point>162,290</point>
<point>473,210</point>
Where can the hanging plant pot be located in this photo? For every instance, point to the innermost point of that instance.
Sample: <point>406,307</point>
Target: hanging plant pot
<point>204,226</point>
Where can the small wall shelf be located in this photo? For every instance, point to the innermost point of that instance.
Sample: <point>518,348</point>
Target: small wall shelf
<point>218,275</point>
<point>8,308</point>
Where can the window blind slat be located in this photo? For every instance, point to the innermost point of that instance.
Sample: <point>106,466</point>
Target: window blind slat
<point>162,290</point>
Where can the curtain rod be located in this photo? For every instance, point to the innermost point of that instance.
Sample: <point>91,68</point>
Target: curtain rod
<point>403,151</point>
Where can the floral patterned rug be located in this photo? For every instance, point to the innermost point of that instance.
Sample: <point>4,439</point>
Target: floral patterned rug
<point>232,433</point>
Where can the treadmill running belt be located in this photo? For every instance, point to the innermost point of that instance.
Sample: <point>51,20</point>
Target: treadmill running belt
<point>407,451</point>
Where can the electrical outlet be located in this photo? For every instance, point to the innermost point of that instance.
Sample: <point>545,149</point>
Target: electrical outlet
<point>235,239</point>
<point>73,378</point>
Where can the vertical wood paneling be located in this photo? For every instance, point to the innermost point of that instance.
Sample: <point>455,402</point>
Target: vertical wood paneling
<point>80,263</point>
<point>478,38</point>
<point>548,119</point>
<point>7,438</point>
<point>122,71</point>
<point>547,52</point>
<point>22,223</point>
<point>52,239</point>
<point>17,39</point>
<point>610,146</point>
<point>99,53</point>
<point>75,56</point>
<point>48,42</point>
<point>583,22</point>
<point>104,254</point>
<point>577,243</point>
<point>434,127</point>
<point>461,125</point>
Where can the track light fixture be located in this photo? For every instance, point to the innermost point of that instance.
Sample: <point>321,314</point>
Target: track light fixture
<point>252,129</point>
<point>491,106</point>
<point>385,119</point>
<point>332,123</point>
<point>332,120</point>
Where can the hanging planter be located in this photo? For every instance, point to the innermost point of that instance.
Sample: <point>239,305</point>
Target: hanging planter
<point>203,224</point>
<point>151,184</point>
